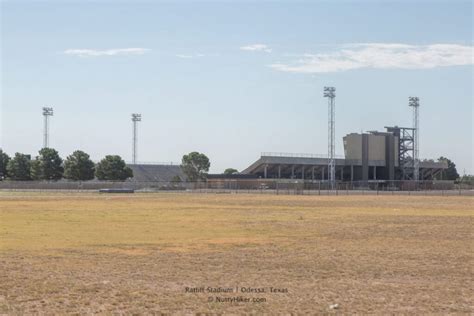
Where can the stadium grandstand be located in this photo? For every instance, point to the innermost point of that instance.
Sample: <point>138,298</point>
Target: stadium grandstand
<point>156,172</point>
<point>367,157</point>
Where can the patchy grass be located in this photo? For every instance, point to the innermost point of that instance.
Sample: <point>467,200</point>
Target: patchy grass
<point>88,253</point>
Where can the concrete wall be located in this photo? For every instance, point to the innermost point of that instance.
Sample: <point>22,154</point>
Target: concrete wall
<point>376,147</point>
<point>395,150</point>
<point>353,146</point>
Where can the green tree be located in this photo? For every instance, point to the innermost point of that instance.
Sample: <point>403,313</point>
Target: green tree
<point>451,173</point>
<point>79,166</point>
<point>112,167</point>
<point>4,159</point>
<point>230,171</point>
<point>18,167</point>
<point>35,169</point>
<point>176,179</point>
<point>195,166</point>
<point>467,179</point>
<point>47,165</point>
<point>176,182</point>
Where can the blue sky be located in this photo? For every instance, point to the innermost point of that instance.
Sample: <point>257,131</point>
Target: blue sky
<point>234,79</point>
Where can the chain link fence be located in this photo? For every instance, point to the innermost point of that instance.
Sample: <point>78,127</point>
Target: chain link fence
<point>256,186</point>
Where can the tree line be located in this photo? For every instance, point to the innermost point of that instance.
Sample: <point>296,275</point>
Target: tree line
<point>48,165</point>
<point>78,166</point>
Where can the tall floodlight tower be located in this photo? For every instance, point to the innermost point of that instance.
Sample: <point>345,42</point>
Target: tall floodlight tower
<point>414,102</point>
<point>135,118</point>
<point>47,112</point>
<point>330,93</point>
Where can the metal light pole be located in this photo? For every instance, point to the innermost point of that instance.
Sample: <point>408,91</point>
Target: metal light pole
<point>330,93</point>
<point>414,102</point>
<point>135,118</point>
<point>47,112</point>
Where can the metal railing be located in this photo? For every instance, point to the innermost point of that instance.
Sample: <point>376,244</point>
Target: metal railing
<point>161,163</point>
<point>297,155</point>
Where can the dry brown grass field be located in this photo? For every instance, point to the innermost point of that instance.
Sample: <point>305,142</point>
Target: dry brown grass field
<point>136,254</point>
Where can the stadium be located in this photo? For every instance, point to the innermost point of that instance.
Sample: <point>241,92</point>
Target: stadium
<point>372,156</point>
<point>373,160</point>
<point>385,158</point>
<point>388,159</point>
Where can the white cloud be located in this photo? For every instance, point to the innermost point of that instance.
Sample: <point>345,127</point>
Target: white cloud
<point>190,56</point>
<point>184,56</point>
<point>106,52</point>
<point>257,48</point>
<point>381,56</point>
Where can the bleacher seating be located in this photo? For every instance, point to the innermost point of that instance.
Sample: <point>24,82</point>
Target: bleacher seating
<point>159,173</point>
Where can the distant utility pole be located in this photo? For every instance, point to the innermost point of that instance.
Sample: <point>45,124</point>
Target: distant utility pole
<point>135,118</point>
<point>414,102</point>
<point>47,112</point>
<point>330,93</point>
